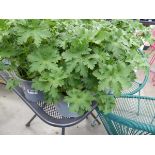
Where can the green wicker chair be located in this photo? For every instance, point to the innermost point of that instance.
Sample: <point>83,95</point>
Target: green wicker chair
<point>138,85</point>
<point>133,115</point>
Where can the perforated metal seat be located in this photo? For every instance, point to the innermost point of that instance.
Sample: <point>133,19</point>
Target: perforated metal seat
<point>47,112</point>
<point>133,115</point>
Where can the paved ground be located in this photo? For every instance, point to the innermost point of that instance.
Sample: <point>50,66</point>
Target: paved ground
<point>14,114</point>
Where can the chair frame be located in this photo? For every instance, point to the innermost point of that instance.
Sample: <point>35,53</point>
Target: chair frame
<point>107,118</point>
<point>61,123</point>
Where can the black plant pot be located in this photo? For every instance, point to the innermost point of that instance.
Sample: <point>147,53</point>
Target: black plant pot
<point>30,94</point>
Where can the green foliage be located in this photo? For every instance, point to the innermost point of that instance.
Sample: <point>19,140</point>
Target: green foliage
<point>3,29</point>
<point>11,83</point>
<point>80,60</point>
<point>79,101</point>
<point>44,58</point>
<point>32,31</point>
<point>105,102</point>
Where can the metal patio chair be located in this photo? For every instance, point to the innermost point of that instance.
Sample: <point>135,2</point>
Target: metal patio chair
<point>136,87</point>
<point>133,115</point>
<point>48,113</point>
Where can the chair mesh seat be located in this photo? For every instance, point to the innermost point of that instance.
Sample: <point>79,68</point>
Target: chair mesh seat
<point>131,115</point>
<point>137,109</point>
<point>50,110</point>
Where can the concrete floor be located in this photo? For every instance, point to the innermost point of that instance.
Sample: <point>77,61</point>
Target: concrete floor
<point>14,113</point>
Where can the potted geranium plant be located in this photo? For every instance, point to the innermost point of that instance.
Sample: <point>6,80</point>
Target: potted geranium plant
<point>78,61</point>
<point>86,60</point>
<point>18,39</point>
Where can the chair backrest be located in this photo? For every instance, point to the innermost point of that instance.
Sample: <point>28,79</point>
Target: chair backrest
<point>138,85</point>
<point>133,115</point>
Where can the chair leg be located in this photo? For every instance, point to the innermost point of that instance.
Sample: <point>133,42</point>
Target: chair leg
<point>93,123</point>
<point>63,131</point>
<point>96,119</point>
<point>29,122</point>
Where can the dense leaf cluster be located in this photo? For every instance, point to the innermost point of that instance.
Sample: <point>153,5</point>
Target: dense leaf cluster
<point>78,60</point>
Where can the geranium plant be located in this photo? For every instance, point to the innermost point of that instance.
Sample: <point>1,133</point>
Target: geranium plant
<point>77,60</point>
<point>18,38</point>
